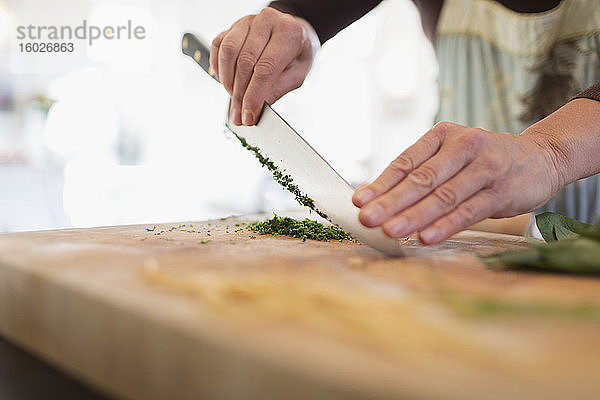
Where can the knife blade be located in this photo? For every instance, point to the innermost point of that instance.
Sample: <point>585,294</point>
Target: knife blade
<point>317,185</point>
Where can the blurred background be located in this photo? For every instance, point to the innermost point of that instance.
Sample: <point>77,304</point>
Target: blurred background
<point>121,133</point>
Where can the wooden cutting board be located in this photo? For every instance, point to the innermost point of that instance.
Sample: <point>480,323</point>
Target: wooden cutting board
<point>172,312</point>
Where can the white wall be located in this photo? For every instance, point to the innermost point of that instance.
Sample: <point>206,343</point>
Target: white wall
<point>142,141</point>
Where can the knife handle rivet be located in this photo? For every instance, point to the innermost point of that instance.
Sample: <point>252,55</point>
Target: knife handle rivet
<point>197,55</point>
<point>185,43</point>
<point>211,72</point>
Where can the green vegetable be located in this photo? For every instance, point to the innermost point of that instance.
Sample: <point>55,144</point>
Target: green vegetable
<point>557,227</point>
<point>575,255</point>
<point>573,247</point>
<point>151,229</point>
<point>306,229</point>
<point>280,177</point>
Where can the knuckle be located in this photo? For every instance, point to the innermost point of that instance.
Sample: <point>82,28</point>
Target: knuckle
<point>443,127</point>
<point>229,49</point>
<point>217,40</point>
<point>264,68</point>
<point>247,19</point>
<point>402,165</point>
<point>471,138</point>
<point>425,177</point>
<point>246,61</point>
<point>446,196</point>
<point>269,12</point>
<point>490,161</point>
<point>466,214</point>
<point>290,26</point>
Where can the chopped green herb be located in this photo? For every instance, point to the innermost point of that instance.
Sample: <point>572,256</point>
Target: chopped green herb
<point>306,229</point>
<point>204,241</point>
<point>151,229</point>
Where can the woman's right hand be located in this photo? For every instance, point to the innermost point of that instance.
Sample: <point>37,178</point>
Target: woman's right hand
<point>261,58</point>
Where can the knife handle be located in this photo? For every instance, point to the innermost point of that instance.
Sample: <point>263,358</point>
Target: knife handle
<point>192,46</point>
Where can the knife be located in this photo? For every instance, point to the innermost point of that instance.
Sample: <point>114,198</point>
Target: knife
<point>315,183</point>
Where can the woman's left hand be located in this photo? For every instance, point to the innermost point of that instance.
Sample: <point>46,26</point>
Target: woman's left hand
<point>455,176</point>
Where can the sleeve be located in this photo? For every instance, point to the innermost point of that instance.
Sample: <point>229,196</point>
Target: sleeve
<point>327,17</point>
<point>592,92</point>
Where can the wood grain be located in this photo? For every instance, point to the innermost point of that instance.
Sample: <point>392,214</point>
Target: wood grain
<point>149,315</point>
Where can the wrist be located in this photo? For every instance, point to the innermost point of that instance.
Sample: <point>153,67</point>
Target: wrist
<point>570,140</point>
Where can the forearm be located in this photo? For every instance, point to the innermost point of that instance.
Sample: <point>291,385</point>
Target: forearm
<point>571,136</point>
<point>327,17</point>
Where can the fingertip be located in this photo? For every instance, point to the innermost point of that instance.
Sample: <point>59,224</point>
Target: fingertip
<point>397,227</point>
<point>432,235</point>
<point>251,108</point>
<point>363,219</point>
<point>371,216</point>
<point>362,196</point>
<point>235,116</point>
<point>248,118</point>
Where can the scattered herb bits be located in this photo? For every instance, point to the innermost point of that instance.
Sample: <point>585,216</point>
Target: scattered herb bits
<point>306,229</point>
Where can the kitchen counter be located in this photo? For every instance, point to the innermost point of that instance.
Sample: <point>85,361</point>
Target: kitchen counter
<point>211,310</point>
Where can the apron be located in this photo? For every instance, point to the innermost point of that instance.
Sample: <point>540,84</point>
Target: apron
<point>502,71</point>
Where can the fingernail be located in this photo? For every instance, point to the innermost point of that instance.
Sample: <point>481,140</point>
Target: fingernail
<point>247,117</point>
<point>373,214</point>
<point>363,196</point>
<point>430,235</point>
<point>235,116</point>
<point>399,228</point>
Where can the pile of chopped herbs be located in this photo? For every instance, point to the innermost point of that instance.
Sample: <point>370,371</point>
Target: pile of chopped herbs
<point>306,229</point>
<point>571,246</point>
<point>280,177</point>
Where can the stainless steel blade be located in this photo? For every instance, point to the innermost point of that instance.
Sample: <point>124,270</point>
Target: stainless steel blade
<point>331,194</point>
